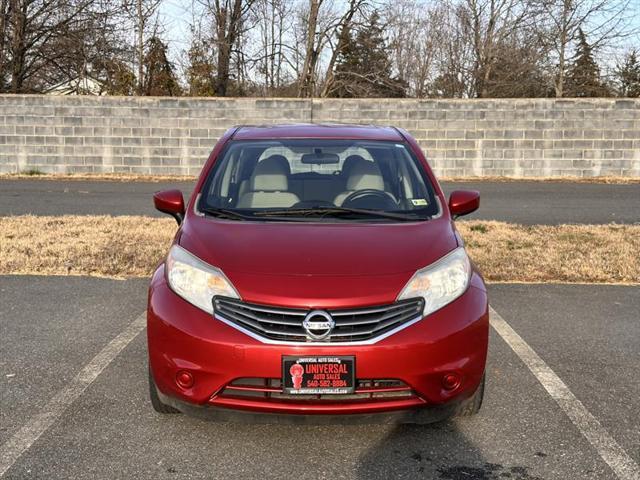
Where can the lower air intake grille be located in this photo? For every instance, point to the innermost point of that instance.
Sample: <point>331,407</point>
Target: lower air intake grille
<point>271,388</point>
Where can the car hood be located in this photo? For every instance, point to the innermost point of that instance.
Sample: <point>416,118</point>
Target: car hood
<point>291,248</point>
<point>315,261</point>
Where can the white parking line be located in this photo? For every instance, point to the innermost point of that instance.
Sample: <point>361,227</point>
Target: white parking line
<point>612,453</point>
<point>36,426</point>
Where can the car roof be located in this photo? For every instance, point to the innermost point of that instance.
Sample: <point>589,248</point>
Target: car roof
<point>319,130</point>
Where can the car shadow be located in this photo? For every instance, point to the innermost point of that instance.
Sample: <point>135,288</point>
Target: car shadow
<point>437,451</point>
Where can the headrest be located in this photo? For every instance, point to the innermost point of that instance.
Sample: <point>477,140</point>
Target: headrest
<point>349,162</point>
<point>270,175</point>
<point>282,160</point>
<point>365,174</point>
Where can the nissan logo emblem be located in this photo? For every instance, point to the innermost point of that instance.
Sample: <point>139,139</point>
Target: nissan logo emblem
<point>318,324</point>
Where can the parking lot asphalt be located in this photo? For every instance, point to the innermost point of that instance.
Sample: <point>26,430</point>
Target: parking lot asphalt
<point>520,202</point>
<point>52,326</point>
<point>591,336</point>
<point>78,197</point>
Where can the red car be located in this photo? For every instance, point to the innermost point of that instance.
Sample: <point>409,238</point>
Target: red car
<point>317,275</point>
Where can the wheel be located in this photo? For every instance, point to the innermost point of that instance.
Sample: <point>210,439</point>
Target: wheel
<point>156,403</point>
<point>471,406</point>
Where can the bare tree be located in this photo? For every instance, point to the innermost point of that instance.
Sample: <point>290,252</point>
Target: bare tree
<point>297,43</point>
<point>450,48</point>
<point>144,16</point>
<point>312,51</point>
<point>603,21</point>
<point>240,73</point>
<point>4,20</point>
<point>95,48</point>
<point>519,69</point>
<point>490,23</point>
<point>343,28</point>
<point>417,34</point>
<point>272,20</point>
<point>42,41</point>
<point>227,18</point>
<point>326,24</point>
<point>460,48</point>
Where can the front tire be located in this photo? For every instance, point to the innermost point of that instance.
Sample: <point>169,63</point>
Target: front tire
<point>156,403</point>
<point>472,405</point>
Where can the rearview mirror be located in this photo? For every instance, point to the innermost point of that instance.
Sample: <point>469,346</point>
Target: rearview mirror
<point>171,202</point>
<point>319,158</point>
<point>463,202</point>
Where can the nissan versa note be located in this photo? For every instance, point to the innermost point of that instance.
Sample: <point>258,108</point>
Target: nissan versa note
<point>317,275</point>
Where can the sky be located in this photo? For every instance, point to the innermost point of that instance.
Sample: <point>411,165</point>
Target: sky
<point>176,17</point>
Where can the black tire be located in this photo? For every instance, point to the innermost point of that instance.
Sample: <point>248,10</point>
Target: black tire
<point>156,403</point>
<point>471,406</point>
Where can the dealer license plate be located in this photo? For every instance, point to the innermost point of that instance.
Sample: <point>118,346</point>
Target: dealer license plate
<point>318,375</point>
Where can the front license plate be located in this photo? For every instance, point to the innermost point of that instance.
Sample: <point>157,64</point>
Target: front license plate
<point>318,375</point>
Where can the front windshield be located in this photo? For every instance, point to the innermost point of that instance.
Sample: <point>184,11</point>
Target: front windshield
<point>350,179</point>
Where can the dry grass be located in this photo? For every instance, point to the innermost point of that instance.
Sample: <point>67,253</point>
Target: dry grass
<point>132,246</point>
<point>83,245</point>
<point>564,253</point>
<point>568,179</point>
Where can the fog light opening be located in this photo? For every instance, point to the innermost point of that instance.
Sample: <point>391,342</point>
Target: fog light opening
<point>184,379</point>
<point>451,381</point>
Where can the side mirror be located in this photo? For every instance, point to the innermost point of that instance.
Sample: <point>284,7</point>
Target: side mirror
<point>463,202</point>
<point>171,202</point>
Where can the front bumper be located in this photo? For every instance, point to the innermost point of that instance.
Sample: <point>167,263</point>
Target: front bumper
<point>182,337</point>
<point>419,416</point>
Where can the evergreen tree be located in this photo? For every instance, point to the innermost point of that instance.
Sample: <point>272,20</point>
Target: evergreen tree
<point>117,76</point>
<point>160,79</point>
<point>447,85</point>
<point>628,76</point>
<point>583,76</point>
<point>201,72</point>
<point>363,68</point>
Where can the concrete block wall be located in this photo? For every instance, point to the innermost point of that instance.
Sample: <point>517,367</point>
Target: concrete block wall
<point>503,137</point>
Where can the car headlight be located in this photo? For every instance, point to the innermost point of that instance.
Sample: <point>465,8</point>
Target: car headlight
<point>196,281</point>
<point>441,282</point>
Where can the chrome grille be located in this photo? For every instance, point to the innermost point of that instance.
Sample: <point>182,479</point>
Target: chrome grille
<point>285,324</point>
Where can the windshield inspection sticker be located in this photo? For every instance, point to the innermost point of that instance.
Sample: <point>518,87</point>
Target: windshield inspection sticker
<point>419,201</point>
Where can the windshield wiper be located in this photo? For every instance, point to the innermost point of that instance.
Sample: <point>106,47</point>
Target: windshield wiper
<point>234,215</point>
<point>225,213</point>
<point>337,211</point>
